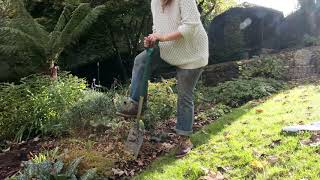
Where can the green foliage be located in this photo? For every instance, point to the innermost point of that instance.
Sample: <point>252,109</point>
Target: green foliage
<point>267,67</point>
<point>50,155</point>
<point>54,170</point>
<point>36,104</point>
<point>22,36</point>
<point>93,108</point>
<point>237,92</point>
<point>214,112</point>
<point>162,102</point>
<point>311,40</point>
<point>212,8</point>
<point>218,111</point>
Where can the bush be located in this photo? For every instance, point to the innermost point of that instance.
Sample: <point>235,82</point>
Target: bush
<point>35,106</point>
<point>311,40</point>
<point>94,108</point>
<point>267,67</point>
<point>162,102</point>
<point>46,166</point>
<point>214,112</point>
<point>237,92</point>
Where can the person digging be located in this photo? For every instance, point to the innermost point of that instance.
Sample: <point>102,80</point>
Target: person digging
<point>183,43</point>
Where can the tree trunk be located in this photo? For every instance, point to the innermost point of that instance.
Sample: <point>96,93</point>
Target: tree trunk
<point>53,71</point>
<point>117,53</point>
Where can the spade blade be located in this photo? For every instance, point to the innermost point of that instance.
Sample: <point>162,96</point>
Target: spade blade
<point>135,139</point>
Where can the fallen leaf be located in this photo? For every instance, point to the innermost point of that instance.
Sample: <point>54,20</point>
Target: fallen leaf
<point>131,173</point>
<point>258,111</point>
<point>257,165</point>
<point>167,146</point>
<point>256,153</point>
<point>36,139</point>
<point>272,159</point>
<point>118,172</point>
<point>313,141</point>
<point>226,133</point>
<point>205,170</point>
<point>92,136</point>
<point>224,169</point>
<point>212,176</point>
<point>140,162</point>
<point>275,143</point>
<point>6,150</point>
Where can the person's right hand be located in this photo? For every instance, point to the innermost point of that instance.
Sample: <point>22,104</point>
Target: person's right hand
<point>148,43</point>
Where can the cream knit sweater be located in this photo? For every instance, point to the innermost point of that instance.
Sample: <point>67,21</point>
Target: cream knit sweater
<point>191,51</point>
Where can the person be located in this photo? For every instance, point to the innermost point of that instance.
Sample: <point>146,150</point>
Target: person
<point>183,43</point>
<point>93,84</point>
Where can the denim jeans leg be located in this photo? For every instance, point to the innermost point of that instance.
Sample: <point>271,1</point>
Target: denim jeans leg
<point>187,80</point>
<point>138,70</point>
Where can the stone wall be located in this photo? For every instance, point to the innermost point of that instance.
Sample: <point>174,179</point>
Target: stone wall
<point>243,31</point>
<point>299,64</point>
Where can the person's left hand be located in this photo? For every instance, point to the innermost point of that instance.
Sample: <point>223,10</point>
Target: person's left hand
<point>156,36</point>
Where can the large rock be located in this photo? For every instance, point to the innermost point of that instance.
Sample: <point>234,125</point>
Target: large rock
<point>243,31</point>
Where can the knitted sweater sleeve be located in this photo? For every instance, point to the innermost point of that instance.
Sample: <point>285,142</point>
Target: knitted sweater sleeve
<point>190,17</point>
<point>152,11</point>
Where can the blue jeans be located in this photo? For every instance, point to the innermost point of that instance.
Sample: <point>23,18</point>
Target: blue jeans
<point>186,82</point>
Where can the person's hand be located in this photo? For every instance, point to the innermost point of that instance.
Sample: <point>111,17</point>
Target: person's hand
<point>156,36</point>
<point>148,42</point>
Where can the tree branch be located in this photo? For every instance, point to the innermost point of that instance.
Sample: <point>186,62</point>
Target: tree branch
<point>210,10</point>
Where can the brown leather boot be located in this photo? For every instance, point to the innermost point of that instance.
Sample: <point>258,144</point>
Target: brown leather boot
<point>129,110</point>
<point>185,147</point>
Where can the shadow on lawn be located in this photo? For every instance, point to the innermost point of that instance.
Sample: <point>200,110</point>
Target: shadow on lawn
<point>201,137</point>
<point>205,134</point>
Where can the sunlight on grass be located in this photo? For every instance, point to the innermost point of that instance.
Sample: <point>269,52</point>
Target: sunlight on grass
<point>248,143</point>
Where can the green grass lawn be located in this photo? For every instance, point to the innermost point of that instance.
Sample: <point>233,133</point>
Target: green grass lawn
<point>248,143</point>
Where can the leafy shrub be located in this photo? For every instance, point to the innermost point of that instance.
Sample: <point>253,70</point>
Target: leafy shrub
<point>218,111</point>
<point>54,170</point>
<point>311,40</point>
<point>50,155</point>
<point>162,102</point>
<point>35,106</point>
<point>267,67</point>
<point>94,108</point>
<point>237,92</point>
<point>214,112</point>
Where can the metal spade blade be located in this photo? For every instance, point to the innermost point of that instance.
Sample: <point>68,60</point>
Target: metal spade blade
<point>135,138</point>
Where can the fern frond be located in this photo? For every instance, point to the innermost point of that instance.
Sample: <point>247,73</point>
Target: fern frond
<point>86,23</point>
<point>64,18</point>
<point>20,39</point>
<point>8,49</point>
<point>65,37</point>
<point>22,20</point>
<point>77,16</point>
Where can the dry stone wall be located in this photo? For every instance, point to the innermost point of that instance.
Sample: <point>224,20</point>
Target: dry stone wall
<point>299,64</point>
